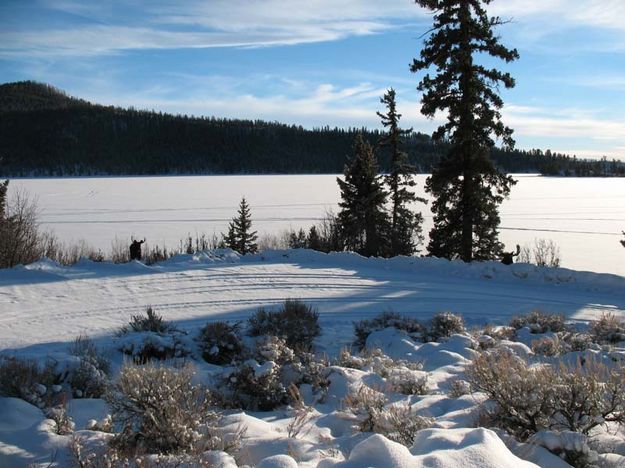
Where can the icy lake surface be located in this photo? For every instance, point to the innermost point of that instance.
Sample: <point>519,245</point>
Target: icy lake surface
<point>584,216</point>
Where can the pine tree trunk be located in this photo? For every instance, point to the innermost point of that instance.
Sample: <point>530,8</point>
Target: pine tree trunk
<point>466,136</point>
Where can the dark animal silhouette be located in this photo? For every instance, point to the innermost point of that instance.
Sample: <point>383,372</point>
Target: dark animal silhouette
<point>507,257</point>
<point>623,241</point>
<point>135,249</point>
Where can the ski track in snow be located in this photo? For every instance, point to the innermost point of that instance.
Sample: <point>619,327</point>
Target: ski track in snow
<point>46,303</point>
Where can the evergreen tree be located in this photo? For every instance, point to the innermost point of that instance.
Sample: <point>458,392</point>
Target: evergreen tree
<point>313,240</point>
<point>240,236</point>
<point>406,225</point>
<point>297,240</point>
<point>363,221</point>
<point>466,185</point>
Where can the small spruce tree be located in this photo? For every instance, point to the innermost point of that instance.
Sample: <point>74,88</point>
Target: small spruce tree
<point>313,240</point>
<point>240,236</point>
<point>406,225</point>
<point>363,221</point>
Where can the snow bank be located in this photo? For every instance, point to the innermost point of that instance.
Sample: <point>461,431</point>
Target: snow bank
<point>444,448</point>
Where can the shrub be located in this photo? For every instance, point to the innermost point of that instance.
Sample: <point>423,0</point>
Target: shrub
<point>148,337</point>
<point>274,348</point>
<point>150,322</point>
<point>20,239</point>
<point>523,395</point>
<point>400,424</point>
<point>220,343</point>
<point>257,387</point>
<point>608,329</point>
<point>364,328</point>
<point>26,379</point>
<point>443,325</point>
<point>295,321</point>
<point>88,381</point>
<point>408,382</point>
<point>529,399</point>
<point>459,388</point>
<point>147,346</point>
<point>544,252</point>
<point>160,410</point>
<point>396,422</point>
<point>539,322</point>
<point>548,346</point>
<point>374,360</point>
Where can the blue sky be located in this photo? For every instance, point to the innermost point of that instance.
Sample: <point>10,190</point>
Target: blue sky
<point>319,62</point>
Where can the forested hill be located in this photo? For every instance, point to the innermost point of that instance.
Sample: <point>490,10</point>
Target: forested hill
<point>43,131</point>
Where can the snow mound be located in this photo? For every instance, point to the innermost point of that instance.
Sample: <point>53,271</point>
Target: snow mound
<point>278,461</point>
<point>444,448</point>
<point>463,447</point>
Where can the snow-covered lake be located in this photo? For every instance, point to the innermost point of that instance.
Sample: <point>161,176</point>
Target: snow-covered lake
<point>584,216</point>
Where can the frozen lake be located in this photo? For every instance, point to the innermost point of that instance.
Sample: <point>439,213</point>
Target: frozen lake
<point>584,216</point>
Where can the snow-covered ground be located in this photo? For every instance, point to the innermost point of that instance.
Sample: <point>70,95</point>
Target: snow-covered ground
<point>44,306</point>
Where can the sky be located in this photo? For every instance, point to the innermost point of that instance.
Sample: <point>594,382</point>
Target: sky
<point>320,62</point>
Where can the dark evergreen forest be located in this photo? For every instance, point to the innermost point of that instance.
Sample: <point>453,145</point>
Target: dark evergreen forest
<point>44,132</point>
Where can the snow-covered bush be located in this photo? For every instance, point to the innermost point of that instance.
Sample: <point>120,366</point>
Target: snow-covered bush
<point>459,388</point>
<point>562,343</point>
<point>399,423</point>
<point>529,398</point>
<point>407,381</point>
<point>28,380</point>
<point>443,325</point>
<point>89,379</point>
<point>366,405</point>
<point>160,410</point>
<point>587,396</point>
<point>548,346</point>
<point>570,446</point>
<point>539,322</point>
<point>364,328</point>
<point>608,329</point>
<point>63,423</point>
<point>143,347</point>
<point>374,360</point>
<point>220,343</point>
<point>577,341</point>
<point>396,422</point>
<point>256,387</point>
<point>311,370</point>
<point>150,337</point>
<point>295,321</point>
<point>274,348</point>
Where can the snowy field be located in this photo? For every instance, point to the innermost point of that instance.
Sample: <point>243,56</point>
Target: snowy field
<point>584,216</point>
<point>44,306</point>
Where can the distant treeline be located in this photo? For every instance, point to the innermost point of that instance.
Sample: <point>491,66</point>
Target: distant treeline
<point>44,132</point>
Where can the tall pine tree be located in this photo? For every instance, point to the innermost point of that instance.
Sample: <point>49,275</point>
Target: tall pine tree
<point>466,186</point>
<point>406,225</point>
<point>240,236</point>
<point>363,220</point>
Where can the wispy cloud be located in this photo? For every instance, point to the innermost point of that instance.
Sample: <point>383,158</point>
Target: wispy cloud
<point>121,25</point>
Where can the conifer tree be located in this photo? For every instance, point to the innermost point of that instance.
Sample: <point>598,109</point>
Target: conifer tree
<point>466,186</point>
<point>363,220</point>
<point>406,225</point>
<point>240,236</point>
